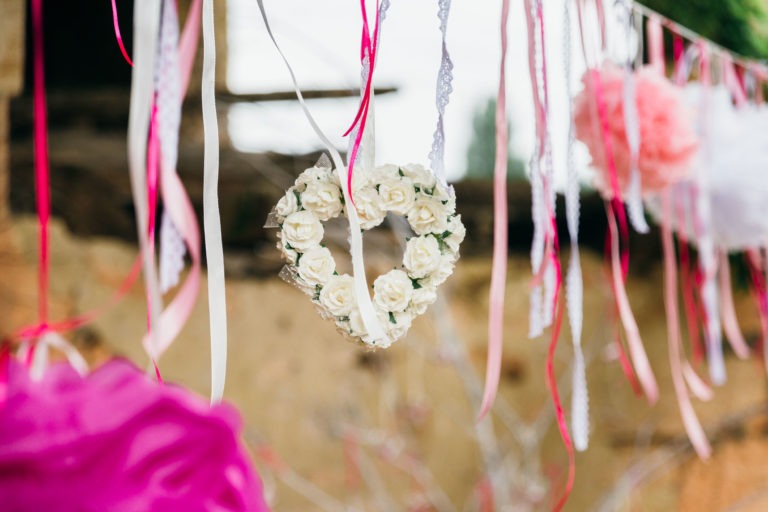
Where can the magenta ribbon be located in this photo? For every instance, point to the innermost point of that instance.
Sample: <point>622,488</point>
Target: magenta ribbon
<point>368,47</point>
<point>499,271</point>
<point>118,36</point>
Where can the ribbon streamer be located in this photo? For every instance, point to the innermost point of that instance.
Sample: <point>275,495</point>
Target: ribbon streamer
<point>442,95</point>
<point>367,312</point>
<point>146,23</point>
<point>499,271</point>
<point>574,284</point>
<point>118,36</point>
<point>217,300</point>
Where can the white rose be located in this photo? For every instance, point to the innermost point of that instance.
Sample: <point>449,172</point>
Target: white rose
<point>419,175</point>
<point>438,277</point>
<point>422,298</point>
<point>302,231</point>
<point>397,195</point>
<point>458,232</point>
<point>316,266</point>
<point>392,291</point>
<point>313,175</point>
<point>400,326</point>
<point>369,207</point>
<point>427,215</point>
<point>338,295</point>
<point>287,204</point>
<point>447,196</point>
<point>385,172</point>
<point>422,256</point>
<point>322,198</point>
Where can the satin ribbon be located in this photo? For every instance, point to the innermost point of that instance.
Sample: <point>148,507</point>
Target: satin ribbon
<point>574,285</point>
<point>146,24</point>
<point>728,311</point>
<point>442,95</point>
<point>500,226</point>
<point>214,251</point>
<point>757,268</point>
<point>173,80</point>
<point>690,421</point>
<point>118,36</point>
<point>35,353</point>
<point>368,49</point>
<point>367,312</point>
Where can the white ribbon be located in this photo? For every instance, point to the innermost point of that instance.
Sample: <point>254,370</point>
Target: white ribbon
<point>146,19</point>
<point>217,300</point>
<point>40,357</point>
<point>367,312</point>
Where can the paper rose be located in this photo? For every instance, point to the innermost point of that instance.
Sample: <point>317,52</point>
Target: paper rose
<point>117,440</point>
<point>302,231</point>
<point>401,294</point>
<point>316,266</point>
<point>668,140</point>
<point>338,295</point>
<point>422,256</point>
<point>392,291</point>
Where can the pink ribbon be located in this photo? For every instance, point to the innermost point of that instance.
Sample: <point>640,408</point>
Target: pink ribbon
<point>690,421</point>
<point>728,311</point>
<point>499,271</point>
<point>655,39</point>
<point>177,204</point>
<point>368,47</point>
<point>118,36</point>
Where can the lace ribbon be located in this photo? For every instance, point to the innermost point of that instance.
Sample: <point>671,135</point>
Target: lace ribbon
<point>574,285</point>
<point>442,96</point>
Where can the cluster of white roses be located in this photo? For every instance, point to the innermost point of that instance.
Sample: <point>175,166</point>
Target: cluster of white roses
<point>399,295</point>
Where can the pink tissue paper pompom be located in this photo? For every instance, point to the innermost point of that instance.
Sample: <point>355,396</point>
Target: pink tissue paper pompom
<point>117,441</point>
<point>668,140</point>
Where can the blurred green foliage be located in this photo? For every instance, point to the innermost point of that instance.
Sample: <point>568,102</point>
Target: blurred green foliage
<point>739,25</point>
<point>481,153</point>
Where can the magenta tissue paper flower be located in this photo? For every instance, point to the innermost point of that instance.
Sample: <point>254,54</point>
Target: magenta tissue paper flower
<point>118,441</point>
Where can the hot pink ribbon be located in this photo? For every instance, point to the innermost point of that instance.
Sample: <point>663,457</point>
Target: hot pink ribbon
<point>118,36</point>
<point>368,46</point>
<point>499,271</point>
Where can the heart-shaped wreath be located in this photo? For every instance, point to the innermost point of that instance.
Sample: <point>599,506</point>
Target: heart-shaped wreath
<point>399,295</point>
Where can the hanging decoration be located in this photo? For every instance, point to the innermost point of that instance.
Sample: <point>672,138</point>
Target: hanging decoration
<point>399,295</point>
<point>321,193</point>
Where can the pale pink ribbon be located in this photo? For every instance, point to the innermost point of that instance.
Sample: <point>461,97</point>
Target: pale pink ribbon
<point>179,208</point>
<point>499,271</point>
<point>728,311</point>
<point>679,371</point>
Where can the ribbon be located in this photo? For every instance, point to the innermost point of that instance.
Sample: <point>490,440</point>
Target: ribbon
<point>690,421</point>
<point>367,312</point>
<point>728,311</point>
<point>707,255</point>
<point>632,126</point>
<point>35,352</point>
<point>368,49</point>
<point>217,304</point>
<point>499,271</point>
<point>146,24</point>
<point>442,95</point>
<point>119,37</point>
<point>757,268</point>
<point>174,69</point>
<point>42,166</point>
<point>574,285</point>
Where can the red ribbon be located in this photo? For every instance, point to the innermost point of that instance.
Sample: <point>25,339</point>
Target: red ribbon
<point>118,36</point>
